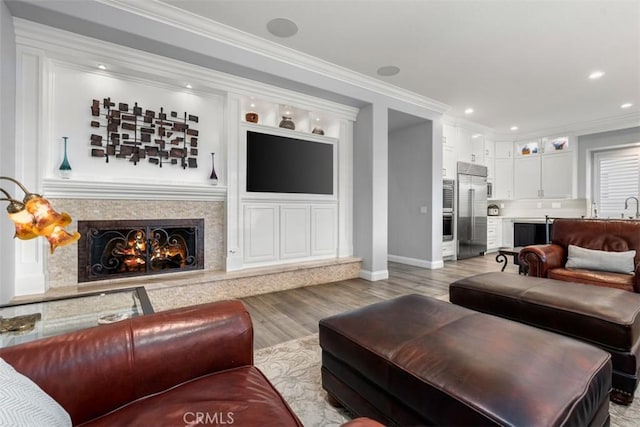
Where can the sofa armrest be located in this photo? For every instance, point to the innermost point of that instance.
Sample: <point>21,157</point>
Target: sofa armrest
<point>540,258</point>
<point>636,279</point>
<point>94,371</point>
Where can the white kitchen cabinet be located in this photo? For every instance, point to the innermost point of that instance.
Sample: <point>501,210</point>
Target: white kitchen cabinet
<point>477,150</point>
<point>448,250</point>
<point>503,150</point>
<point>557,179</point>
<point>489,159</point>
<point>494,234</point>
<point>503,179</point>
<point>527,177</point>
<point>542,171</point>
<point>449,159</point>
<point>507,233</point>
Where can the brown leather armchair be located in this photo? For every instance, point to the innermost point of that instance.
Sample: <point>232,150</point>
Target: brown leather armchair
<point>599,234</point>
<point>166,369</point>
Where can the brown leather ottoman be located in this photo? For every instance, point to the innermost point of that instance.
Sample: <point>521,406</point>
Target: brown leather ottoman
<point>605,317</point>
<point>416,360</point>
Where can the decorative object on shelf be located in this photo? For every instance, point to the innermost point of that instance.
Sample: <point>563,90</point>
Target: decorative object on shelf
<point>287,123</point>
<point>65,167</point>
<point>317,131</point>
<point>526,150</point>
<point>213,177</point>
<point>251,117</point>
<point>559,144</point>
<point>34,217</point>
<point>534,150</point>
<point>154,136</point>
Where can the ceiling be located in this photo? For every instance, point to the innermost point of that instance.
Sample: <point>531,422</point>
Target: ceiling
<point>523,63</point>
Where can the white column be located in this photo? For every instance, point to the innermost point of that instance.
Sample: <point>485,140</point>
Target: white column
<point>371,191</point>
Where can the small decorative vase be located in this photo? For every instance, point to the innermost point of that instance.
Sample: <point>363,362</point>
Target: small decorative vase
<point>65,167</point>
<point>287,123</point>
<point>213,177</point>
<point>317,131</point>
<point>251,117</point>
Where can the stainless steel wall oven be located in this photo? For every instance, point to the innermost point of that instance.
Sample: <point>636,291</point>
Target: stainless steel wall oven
<point>447,226</point>
<point>448,194</point>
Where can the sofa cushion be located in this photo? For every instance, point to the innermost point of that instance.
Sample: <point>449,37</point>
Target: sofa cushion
<point>590,259</point>
<point>593,277</point>
<point>241,396</point>
<point>25,404</point>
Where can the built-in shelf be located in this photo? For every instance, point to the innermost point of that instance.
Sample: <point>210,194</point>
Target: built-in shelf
<point>270,114</point>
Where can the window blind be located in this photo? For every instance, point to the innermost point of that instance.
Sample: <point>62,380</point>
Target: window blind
<point>617,178</point>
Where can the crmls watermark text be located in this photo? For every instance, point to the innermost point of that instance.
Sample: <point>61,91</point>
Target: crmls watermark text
<point>207,418</point>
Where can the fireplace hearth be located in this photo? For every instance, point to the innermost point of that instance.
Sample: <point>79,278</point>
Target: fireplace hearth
<point>126,248</point>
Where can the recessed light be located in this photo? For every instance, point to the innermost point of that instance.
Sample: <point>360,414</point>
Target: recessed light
<point>476,135</point>
<point>596,75</point>
<point>102,66</point>
<point>253,105</point>
<point>514,128</point>
<point>288,113</point>
<point>282,27</point>
<point>388,70</point>
<point>626,105</point>
<point>188,86</point>
<point>468,111</point>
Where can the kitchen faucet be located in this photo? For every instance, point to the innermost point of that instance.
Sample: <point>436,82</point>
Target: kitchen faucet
<point>626,205</point>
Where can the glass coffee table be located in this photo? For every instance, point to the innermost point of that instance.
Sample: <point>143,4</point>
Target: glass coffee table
<point>23,322</point>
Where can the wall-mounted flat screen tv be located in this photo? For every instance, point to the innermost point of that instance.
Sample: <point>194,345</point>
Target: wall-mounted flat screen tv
<point>278,164</point>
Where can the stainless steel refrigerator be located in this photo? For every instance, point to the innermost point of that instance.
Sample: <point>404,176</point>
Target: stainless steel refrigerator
<point>472,210</point>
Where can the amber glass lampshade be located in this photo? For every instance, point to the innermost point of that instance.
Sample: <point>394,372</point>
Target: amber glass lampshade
<point>35,217</point>
<point>61,237</point>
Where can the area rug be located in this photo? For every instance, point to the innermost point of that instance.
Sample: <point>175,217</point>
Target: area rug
<point>294,368</point>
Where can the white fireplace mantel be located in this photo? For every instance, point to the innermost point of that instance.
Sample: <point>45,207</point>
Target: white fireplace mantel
<point>108,190</point>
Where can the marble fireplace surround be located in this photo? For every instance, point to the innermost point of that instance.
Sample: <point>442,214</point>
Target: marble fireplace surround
<point>169,290</point>
<point>62,267</point>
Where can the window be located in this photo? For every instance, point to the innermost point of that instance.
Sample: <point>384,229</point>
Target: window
<point>616,177</point>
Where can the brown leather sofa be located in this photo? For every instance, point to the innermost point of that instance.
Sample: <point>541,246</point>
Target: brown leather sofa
<point>163,369</point>
<point>600,234</point>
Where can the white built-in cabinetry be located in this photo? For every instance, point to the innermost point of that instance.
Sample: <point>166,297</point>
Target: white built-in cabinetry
<point>544,168</point>
<point>462,145</point>
<point>275,228</point>
<point>503,171</point>
<point>494,234</point>
<point>282,231</point>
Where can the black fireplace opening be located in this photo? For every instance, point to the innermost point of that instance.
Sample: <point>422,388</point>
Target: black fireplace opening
<point>125,248</point>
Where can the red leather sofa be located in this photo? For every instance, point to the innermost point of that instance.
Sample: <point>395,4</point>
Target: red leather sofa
<point>163,369</point>
<point>600,234</point>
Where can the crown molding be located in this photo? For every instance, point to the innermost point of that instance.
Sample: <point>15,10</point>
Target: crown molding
<point>55,188</point>
<point>86,52</point>
<point>190,22</point>
<point>621,121</point>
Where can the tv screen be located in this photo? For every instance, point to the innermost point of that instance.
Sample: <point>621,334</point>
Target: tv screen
<point>277,164</point>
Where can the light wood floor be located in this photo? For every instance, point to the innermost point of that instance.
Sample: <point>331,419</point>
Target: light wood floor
<point>283,316</point>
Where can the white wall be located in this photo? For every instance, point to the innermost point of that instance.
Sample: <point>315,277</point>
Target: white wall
<point>72,92</point>
<point>409,175</point>
<point>7,151</point>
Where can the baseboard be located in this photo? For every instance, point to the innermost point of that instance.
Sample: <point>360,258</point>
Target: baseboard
<point>416,262</point>
<point>372,276</point>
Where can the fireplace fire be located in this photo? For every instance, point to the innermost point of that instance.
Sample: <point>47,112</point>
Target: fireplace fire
<point>111,249</point>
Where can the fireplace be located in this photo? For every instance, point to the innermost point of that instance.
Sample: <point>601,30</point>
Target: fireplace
<point>126,248</point>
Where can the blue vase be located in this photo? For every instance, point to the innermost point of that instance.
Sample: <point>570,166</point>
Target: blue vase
<point>65,167</point>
